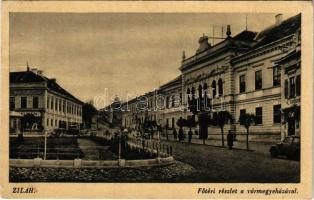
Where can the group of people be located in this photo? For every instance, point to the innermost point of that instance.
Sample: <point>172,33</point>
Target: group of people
<point>181,135</point>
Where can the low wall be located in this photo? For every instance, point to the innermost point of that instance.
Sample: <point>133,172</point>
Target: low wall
<point>78,163</point>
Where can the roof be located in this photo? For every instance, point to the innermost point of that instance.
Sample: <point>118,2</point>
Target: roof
<point>275,32</point>
<point>245,36</point>
<point>25,77</point>
<point>174,81</point>
<point>31,77</point>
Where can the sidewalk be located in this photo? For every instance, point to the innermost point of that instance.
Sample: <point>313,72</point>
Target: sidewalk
<point>259,147</point>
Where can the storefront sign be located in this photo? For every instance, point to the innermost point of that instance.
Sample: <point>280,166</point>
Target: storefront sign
<point>36,114</point>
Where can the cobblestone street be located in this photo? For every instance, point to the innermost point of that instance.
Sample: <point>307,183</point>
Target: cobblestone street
<point>216,164</point>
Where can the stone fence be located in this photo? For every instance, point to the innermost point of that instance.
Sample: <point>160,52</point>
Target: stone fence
<point>79,163</point>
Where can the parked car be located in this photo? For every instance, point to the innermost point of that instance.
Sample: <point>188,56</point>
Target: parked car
<point>289,147</point>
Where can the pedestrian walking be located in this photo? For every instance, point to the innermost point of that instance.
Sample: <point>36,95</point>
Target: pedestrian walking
<point>190,135</point>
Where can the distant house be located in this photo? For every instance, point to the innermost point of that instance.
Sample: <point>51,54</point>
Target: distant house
<point>38,103</point>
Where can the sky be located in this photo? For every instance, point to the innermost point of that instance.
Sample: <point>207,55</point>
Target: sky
<point>90,53</point>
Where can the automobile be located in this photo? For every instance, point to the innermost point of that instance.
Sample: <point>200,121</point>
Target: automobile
<point>289,147</point>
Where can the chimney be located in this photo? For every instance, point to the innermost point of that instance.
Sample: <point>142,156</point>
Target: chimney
<point>228,32</point>
<point>183,55</point>
<point>34,70</point>
<point>278,19</point>
<point>203,42</point>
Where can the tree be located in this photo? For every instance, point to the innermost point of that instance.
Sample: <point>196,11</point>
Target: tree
<point>88,112</point>
<point>203,123</point>
<point>221,119</point>
<point>190,122</point>
<point>181,122</point>
<point>247,120</point>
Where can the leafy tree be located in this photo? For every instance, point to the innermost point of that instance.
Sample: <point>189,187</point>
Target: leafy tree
<point>247,120</point>
<point>221,119</point>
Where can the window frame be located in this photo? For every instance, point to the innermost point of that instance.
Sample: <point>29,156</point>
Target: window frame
<point>292,87</point>
<point>242,87</point>
<point>298,85</point>
<point>277,114</point>
<point>276,76</point>
<point>23,107</point>
<point>12,103</point>
<point>258,80</point>
<point>258,117</point>
<point>37,102</point>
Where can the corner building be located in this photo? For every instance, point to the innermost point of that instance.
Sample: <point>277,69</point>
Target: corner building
<point>39,104</point>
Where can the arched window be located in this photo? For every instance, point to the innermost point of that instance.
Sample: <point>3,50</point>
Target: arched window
<point>205,87</point>
<point>188,92</point>
<point>200,91</point>
<point>220,87</point>
<point>193,92</point>
<point>214,88</point>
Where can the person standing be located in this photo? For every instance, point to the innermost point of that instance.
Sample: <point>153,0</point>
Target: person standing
<point>181,136</point>
<point>175,133</point>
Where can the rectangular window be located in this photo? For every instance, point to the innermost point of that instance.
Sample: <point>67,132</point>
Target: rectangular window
<point>242,112</point>
<point>276,76</point>
<point>35,102</point>
<point>56,104</point>
<point>48,102</point>
<point>51,122</point>
<point>51,104</point>
<point>242,83</point>
<point>292,87</point>
<point>63,109</point>
<point>12,103</point>
<point>298,85</point>
<point>60,101</point>
<point>47,121</point>
<point>23,102</point>
<point>173,101</point>
<point>167,102</point>
<point>286,89</point>
<point>277,113</point>
<point>172,122</point>
<point>258,80</point>
<point>258,115</point>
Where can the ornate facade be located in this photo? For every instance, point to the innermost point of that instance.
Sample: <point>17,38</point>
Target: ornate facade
<point>245,73</point>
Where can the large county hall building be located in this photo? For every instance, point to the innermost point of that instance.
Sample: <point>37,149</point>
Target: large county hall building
<point>39,104</point>
<point>251,72</point>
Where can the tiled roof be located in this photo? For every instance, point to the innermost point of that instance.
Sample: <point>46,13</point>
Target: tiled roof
<point>275,32</point>
<point>31,77</point>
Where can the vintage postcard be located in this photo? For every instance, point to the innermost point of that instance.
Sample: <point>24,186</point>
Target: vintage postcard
<point>194,100</point>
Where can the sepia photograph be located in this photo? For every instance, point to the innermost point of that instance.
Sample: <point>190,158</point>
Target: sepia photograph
<point>106,97</point>
<point>143,100</point>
